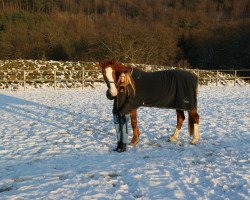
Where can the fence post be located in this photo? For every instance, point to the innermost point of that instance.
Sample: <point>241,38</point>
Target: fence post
<point>83,77</point>
<point>235,75</point>
<point>24,80</point>
<point>198,75</point>
<point>55,79</point>
<point>217,77</point>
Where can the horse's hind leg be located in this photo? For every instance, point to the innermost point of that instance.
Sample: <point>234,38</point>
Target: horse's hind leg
<point>193,125</point>
<point>136,132</point>
<point>180,119</point>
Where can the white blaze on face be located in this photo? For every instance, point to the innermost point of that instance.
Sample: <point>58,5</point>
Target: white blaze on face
<point>112,89</point>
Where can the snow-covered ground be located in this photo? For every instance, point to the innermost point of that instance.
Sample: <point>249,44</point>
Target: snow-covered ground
<point>57,144</point>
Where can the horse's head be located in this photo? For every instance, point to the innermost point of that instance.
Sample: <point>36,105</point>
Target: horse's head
<point>111,71</point>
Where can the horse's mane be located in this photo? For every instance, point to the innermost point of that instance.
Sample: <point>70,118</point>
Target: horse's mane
<point>118,67</point>
<point>104,64</point>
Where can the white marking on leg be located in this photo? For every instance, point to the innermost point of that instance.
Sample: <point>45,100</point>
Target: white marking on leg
<point>196,134</point>
<point>174,137</point>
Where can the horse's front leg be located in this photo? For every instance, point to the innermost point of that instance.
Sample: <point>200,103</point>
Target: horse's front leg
<point>136,132</point>
<point>180,119</point>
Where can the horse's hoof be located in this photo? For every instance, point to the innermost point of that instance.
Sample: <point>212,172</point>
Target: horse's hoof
<point>134,142</point>
<point>193,142</point>
<point>173,139</point>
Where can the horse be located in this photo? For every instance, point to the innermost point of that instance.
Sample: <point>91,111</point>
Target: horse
<point>172,89</point>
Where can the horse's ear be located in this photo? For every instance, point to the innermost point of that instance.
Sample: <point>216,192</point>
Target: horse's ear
<point>128,69</point>
<point>122,68</point>
<point>101,63</point>
<point>113,61</point>
<point>104,64</point>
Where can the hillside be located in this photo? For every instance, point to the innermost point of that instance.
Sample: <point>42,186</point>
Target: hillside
<point>211,34</point>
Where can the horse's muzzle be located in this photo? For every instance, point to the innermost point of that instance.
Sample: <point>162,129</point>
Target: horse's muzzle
<point>108,83</point>
<point>111,89</point>
<point>113,92</point>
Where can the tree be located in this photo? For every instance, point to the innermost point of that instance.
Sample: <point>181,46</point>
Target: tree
<point>58,52</point>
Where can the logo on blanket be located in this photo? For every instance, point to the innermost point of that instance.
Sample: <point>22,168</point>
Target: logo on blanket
<point>186,100</point>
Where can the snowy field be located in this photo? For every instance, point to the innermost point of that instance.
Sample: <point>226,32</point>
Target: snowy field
<point>56,144</point>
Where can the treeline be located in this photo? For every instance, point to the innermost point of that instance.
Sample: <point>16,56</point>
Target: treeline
<point>191,33</point>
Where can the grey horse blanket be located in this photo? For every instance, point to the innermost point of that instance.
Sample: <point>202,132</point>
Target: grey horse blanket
<point>165,89</point>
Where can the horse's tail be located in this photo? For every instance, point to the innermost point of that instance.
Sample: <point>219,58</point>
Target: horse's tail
<point>190,124</point>
<point>193,116</point>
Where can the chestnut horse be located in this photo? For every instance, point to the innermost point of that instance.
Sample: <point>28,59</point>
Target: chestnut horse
<point>173,89</point>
